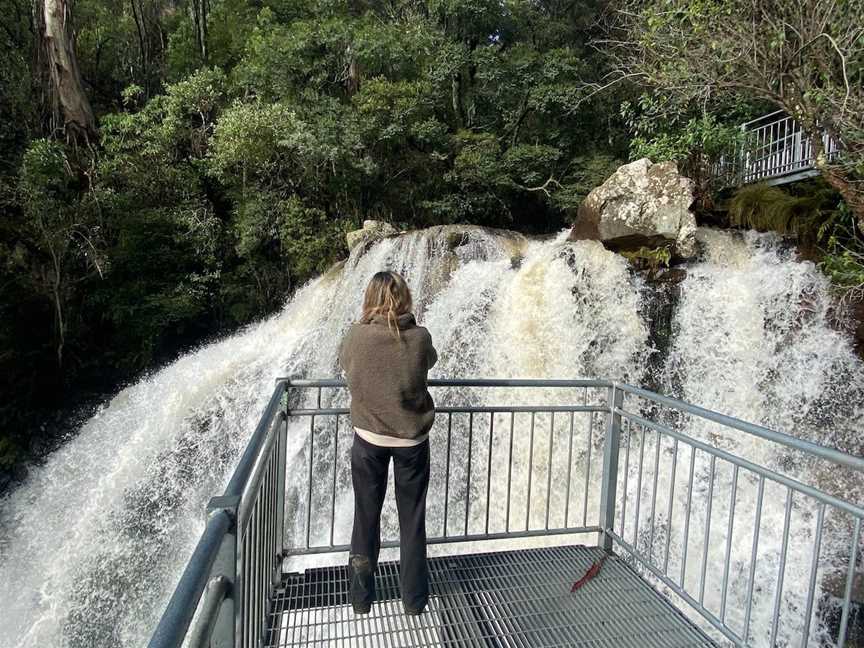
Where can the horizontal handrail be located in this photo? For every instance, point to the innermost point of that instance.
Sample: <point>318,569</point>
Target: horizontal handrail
<point>448,382</point>
<point>815,493</point>
<point>175,622</point>
<point>461,409</point>
<point>250,456</point>
<point>454,539</point>
<point>824,452</point>
<point>758,119</point>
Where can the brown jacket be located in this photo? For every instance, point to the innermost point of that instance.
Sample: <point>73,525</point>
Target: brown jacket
<point>387,376</point>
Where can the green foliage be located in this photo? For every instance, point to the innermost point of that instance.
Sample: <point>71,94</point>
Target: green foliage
<point>662,133</point>
<point>585,172</point>
<point>651,258</point>
<point>766,208</point>
<point>843,259</point>
<point>663,128</point>
<point>712,53</point>
<point>227,172</point>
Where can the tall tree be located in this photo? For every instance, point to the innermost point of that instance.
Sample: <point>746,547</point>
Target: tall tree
<point>804,56</point>
<point>200,9</point>
<point>70,109</point>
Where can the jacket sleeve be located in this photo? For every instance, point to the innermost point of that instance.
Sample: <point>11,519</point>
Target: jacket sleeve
<point>343,351</point>
<point>432,354</point>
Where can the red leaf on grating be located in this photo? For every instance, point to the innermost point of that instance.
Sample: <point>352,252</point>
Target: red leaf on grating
<point>593,570</point>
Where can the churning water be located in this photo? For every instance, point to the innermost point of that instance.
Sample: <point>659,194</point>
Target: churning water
<point>93,542</point>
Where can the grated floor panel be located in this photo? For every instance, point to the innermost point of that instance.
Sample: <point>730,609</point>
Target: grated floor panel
<point>509,599</point>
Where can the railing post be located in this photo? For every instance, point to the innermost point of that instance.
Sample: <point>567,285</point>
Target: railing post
<point>281,460</point>
<point>224,629</point>
<point>611,447</point>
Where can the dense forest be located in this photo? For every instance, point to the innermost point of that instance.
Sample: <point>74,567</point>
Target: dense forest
<point>173,169</point>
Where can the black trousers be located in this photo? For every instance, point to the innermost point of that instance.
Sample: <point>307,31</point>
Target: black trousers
<point>369,464</point>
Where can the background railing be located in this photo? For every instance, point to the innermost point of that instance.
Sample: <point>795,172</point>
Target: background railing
<point>773,148</point>
<point>736,488</point>
<point>473,448</point>
<point>513,470</point>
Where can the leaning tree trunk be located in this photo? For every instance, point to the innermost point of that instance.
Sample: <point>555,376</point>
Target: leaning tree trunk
<point>70,109</point>
<point>838,179</point>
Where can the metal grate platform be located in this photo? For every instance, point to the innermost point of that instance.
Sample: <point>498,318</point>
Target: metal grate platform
<point>505,599</point>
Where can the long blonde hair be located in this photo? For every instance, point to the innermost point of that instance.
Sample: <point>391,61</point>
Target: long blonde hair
<point>387,294</point>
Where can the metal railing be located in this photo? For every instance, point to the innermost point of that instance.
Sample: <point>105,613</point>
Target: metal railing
<point>775,149</point>
<point>506,471</point>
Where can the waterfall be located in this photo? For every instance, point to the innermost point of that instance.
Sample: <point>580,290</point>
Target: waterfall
<point>93,542</point>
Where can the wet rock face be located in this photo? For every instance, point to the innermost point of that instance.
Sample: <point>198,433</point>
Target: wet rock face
<point>372,231</point>
<point>641,205</point>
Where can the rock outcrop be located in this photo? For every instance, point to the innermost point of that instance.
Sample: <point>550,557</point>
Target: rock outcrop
<point>641,205</point>
<point>372,231</point>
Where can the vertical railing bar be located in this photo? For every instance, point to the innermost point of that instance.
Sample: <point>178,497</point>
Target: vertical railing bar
<point>530,472</point>
<point>654,499</point>
<point>262,557</point>
<point>253,580</point>
<point>549,469</point>
<point>309,498</point>
<point>707,528</point>
<point>569,473</point>
<point>752,577</point>
<point>669,510</point>
<point>781,573</point>
<point>266,557</point>
<point>335,466</point>
<point>275,553</point>
<point>626,475</point>
<point>639,488</point>
<point>319,398</point>
<point>267,486</point>
<point>609,469</point>
<point>468,475</point>
<point>243,613</point>
<point>850,576</point>
<point>260,542</point>
<point>509,472</point>
<point>280,487</point>
<point>489,468</point>
<point>814,568</point>
<point>687,516</point>
<point>729,530</point>
<point>588,468</point>
<point>447,469</point>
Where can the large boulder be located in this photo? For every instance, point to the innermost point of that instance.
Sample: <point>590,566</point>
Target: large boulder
<point>372,231</point>
<point>641,205</point>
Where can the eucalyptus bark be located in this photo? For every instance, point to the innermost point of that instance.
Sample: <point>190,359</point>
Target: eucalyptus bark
<point>70,109</point>
<point>143,43</point>
<point>199,18</point>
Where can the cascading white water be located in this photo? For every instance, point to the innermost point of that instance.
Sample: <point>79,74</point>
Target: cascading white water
<point>93,542</point>
<point>756,336</point>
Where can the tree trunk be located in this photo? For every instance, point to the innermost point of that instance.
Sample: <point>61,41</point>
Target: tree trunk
<point>199,17</point>
<point>352,75</point>
<point>71,111</point>
<point>456,91</point>
<point>838,179</point>
<point>143,44</point>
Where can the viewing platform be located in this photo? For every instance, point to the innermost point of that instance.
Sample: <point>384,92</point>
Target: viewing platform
<point>508,598</point>
<point>774,150</point>
<point>560,513</point>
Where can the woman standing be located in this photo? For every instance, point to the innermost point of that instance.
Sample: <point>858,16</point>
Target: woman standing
<point>386,358</point>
